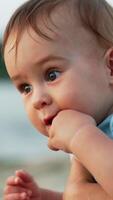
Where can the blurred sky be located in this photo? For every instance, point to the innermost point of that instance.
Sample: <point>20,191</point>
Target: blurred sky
<point>8,6</point>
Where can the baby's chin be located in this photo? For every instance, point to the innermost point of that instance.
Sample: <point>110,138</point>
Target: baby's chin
<point>44,131</point>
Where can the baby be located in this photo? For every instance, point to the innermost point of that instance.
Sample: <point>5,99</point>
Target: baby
<point>59,56</point>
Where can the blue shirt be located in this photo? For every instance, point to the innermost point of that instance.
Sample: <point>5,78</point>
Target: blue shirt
<point>107,126</point>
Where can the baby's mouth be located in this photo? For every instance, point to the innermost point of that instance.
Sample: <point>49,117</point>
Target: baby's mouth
<point>48,121</point>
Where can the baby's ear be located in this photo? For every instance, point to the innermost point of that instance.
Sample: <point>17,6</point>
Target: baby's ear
<point>109,62</point>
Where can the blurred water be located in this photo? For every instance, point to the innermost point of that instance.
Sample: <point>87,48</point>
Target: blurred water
<point>18,139</point>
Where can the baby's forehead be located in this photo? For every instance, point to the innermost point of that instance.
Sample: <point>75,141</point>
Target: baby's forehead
<point>61,38</point>
<point>61,20</point>
<point>63,25</point>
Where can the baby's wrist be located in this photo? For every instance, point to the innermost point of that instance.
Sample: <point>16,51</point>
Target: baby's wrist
<point>81,136</point>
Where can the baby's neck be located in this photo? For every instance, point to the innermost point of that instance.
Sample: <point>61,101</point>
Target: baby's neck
<point>110,111</point>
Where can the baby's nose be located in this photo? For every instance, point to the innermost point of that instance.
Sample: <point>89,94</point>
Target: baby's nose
<point>41,100</point>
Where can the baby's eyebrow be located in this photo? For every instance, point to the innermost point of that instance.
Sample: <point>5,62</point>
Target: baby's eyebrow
<point>41,62</point>
<point>49,58</point>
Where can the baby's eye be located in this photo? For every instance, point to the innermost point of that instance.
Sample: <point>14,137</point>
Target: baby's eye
<point>25,88</point>
<point>51,75</point>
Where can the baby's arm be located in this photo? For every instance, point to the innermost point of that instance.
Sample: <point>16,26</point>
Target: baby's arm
<point>81,185</point>
<point>75,132</point>
<point>22,186</point>
<point>94,149</point>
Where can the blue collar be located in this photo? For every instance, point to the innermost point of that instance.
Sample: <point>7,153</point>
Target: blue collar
<point>107,126</point>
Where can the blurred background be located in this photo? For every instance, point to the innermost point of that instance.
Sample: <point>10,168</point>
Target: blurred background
<point>21,146</point>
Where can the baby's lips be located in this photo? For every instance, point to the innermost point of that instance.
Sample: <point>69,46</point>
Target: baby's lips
<point>48,120</point>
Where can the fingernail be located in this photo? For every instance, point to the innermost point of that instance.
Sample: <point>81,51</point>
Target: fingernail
<point>16,180</point>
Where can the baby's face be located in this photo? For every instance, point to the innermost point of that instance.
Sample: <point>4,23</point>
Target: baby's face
<point>52,76</point>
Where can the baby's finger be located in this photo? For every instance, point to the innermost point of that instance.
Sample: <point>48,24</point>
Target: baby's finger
<point>23,175</point>
<point>14,189</point>
<point>17,196</point>
<point>13,180</point>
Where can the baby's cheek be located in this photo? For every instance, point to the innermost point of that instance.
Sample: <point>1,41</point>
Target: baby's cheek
<point>39,126</point>
<point>35,120</point>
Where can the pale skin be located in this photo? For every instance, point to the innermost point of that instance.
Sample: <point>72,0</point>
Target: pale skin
<point>86,143</point>
<point>70,82</point>
<point>81,185</point>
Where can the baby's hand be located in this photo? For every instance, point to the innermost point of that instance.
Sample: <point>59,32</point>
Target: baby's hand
<point>64,127</point>
<point>21,187</point>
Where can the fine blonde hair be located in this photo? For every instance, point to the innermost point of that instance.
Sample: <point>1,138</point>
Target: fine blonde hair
<point>96,15</point>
